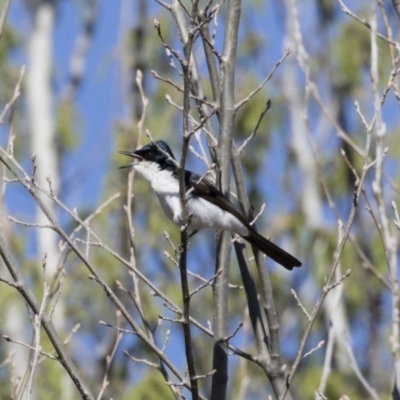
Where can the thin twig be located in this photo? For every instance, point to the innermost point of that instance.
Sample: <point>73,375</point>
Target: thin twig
<point>3,16</point>
<point>362,21</point>
<point>319,345</point>
<point>300,304</point>
<point>245,143</point>
<point>353,362</point>
<point>43,353</point>
<point>16,94</point>
<point>269,76</point>
<point>109,359</point>
<point>207,283</point>
<point>37,323</point>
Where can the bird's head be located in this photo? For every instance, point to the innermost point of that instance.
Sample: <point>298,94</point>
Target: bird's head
<point>154,156</point>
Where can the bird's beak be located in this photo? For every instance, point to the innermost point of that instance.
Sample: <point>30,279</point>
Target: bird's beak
<point>133,155</point>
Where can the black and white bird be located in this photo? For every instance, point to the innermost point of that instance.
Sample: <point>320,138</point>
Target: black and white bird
<point>207,206</point>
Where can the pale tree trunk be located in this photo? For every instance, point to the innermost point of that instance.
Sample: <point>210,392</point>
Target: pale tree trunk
<point>311,200</point>
<point>40,102</point>
<point>41,113</point>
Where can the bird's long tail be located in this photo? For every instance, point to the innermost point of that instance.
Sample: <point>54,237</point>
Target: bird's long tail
<point>272,250</point>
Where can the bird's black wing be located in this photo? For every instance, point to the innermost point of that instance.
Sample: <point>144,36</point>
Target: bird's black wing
<point>206,190</point>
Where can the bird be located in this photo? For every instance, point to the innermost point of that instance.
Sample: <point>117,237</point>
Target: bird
<point>207,207</point>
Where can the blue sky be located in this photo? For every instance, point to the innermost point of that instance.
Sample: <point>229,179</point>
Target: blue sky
<point>100,100</point>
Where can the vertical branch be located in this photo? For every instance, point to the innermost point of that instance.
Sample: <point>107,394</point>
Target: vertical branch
<point>227,119</point>
<point>139,57</point>
<point>220,309</point>
<point>269,354</point>
<point>10,145</point>
<point>272,361</point>
<point>250,289</point>
<point>269,349</point>
<point>186,66</point>
<point>210,58</point>
<point>133,77</point>
<point>37,323</point>
<point>228,91</point>
<point>389,240</point>
<point>195,81</point>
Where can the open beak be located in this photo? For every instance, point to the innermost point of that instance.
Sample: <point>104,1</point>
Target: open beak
<point>133,155</point>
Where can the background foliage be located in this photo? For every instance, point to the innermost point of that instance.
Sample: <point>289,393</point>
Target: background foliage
<point>305,163</point>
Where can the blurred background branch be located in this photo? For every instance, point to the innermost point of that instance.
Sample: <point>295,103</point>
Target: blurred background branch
<point>323,167</point>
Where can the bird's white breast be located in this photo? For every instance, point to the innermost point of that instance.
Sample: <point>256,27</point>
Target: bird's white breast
<point>165,186</point>
<point>203,214</point>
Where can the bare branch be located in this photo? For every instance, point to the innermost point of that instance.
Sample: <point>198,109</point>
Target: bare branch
<point>319,345</point>
<point>269,76</point>
<point>267,107</point>
<point>362,21</point>
<point>186,67</point>
<point>300,305</point>
<point>207,283</point>
<point>17,90</point>
<point>109,359</point>
<point>37,323</point>
<point>43,353</point>
<point>353,362</point>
